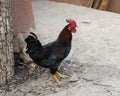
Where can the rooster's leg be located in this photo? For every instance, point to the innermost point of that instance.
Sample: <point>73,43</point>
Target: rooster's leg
<point>55,78</point>
<point>59,74</point>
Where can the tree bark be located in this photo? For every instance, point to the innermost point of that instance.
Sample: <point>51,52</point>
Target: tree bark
<point>6,42</point>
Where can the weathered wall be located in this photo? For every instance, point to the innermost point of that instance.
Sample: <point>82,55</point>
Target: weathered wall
<point>77,2</point>
<point>113,5</point>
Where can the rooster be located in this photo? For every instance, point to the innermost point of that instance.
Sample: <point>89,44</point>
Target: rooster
<point>52,54</point>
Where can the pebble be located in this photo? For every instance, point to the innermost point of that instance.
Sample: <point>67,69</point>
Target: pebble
<point>74,78</point>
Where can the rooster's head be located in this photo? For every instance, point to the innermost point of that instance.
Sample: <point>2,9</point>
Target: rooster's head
<point>72,25</point>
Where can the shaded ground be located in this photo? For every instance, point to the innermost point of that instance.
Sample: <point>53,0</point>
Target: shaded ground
<point>92,67</point>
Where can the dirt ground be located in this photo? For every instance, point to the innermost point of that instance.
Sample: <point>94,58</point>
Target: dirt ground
<point>93,65</point>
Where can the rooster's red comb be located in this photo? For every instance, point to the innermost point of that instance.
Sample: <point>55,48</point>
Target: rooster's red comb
<point>71,22</point>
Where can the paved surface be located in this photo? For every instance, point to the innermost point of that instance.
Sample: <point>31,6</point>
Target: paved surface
<point>97,42</point>
<point>95,55</point>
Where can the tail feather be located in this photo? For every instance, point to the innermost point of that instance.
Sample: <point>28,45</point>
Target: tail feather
<point>32,39</point>
<point>34,46</point>
<point>32,42</point>
<point>34,35</point>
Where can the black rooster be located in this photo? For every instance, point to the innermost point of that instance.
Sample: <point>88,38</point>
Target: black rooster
<point>52,54</point>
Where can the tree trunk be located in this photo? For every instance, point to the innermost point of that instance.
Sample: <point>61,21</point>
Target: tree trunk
<point>6,42</point>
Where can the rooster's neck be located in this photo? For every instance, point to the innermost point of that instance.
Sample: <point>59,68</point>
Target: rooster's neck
<point>65,36</point>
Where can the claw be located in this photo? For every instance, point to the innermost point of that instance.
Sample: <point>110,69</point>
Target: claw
<point>61,75</point>
<point>55,78</point>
